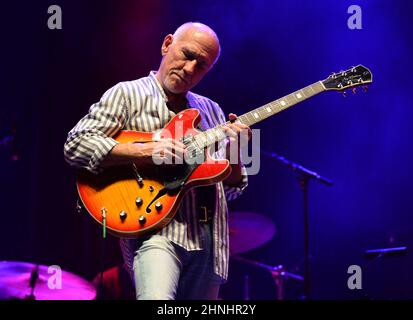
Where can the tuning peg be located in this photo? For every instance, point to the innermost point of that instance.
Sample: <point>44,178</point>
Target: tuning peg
<point>354,90</point>
<point>365,88</point>
<point>344,93</point>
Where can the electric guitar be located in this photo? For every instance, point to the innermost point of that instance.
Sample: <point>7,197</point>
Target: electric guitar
<point>131,201</point>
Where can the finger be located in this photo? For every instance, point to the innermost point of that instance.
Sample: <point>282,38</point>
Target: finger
<point>179,144</point>
<point>241,126</point>
<point>246,135</point>
<point>233,118</point>
<point>230,131</point>
<point>176,149</point>
<point>176,142</point>
<point>175,157</point>
<point>237,127</point>
<point>172,145</point>
<point>172,152</point>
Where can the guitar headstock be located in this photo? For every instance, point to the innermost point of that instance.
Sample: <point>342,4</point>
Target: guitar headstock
<point>351,78</point>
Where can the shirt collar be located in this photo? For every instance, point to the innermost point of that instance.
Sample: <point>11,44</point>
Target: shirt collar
<point>152,75</point>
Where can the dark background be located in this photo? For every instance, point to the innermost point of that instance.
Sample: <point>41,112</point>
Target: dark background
<point>269,49</point>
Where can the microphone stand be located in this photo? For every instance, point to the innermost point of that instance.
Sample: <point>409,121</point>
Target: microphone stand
<point>34,276</point>
<point>278,273</point>
<point>303,177</point>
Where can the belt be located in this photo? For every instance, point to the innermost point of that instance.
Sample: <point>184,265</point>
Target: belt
<point>205,214</point>
<point>205,197</point>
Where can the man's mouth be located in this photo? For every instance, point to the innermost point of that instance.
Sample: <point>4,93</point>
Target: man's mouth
<point>181,78</point>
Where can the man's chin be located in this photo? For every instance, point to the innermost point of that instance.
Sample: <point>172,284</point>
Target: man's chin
<point>176,89</point>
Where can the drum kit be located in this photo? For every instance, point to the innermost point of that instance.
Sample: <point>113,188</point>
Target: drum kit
<point>30,281</point>
<point>248,231</point>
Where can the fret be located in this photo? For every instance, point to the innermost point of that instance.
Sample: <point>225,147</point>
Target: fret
<point>312,89</point>
<point>250,118</point>
<point>268,109</point>
<point>275,105</point>
<point>316,87</point>
<point>200,140</point>
<point>218,134</point>
<point>306,91</point>
<point>243,119</point>
<point>256,114</point>
<point>264,113</point>
<point>221,134</point>
<point>290,100</point>
<point>281,104</point>
<point>302,91</point>
<point>299,95</point>
<point>210,137</point>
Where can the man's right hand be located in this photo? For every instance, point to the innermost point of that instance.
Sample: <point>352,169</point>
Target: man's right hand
<point>165,151</point>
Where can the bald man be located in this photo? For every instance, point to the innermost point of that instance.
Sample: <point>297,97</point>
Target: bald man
<point>187,259</point>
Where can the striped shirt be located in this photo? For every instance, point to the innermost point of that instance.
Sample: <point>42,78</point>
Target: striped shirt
<point>141,105</point>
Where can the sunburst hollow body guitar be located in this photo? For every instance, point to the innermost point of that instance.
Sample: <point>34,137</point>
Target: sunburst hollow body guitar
<point>133,200</point>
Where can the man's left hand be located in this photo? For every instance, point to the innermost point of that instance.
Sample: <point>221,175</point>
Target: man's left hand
<point>236,131</point>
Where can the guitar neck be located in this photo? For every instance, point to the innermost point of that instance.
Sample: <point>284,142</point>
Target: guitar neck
<point>276,106</point>
<point>209,137</point>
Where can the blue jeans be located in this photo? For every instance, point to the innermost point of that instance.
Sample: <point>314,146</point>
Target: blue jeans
<point>166,271</point>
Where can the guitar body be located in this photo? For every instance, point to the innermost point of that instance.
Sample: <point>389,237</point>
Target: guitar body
<point>137,200</point>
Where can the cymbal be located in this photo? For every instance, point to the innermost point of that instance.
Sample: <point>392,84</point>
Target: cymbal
<point>15,278</point>
<point>248,230</point>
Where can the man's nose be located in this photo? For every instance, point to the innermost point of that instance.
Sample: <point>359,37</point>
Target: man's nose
<point>190,67</point>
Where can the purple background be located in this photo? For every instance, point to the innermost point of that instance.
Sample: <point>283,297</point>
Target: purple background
<point>269,49</point>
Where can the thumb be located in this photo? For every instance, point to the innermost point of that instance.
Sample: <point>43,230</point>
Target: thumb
<point>232,116</point>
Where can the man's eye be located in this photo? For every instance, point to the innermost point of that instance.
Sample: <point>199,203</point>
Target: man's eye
<point>189,56</point>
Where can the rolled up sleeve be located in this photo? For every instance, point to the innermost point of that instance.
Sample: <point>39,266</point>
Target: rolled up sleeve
<point>233,192</point>
<point>90,141</point>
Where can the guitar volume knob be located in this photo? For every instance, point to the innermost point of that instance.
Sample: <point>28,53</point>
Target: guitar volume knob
<point>158,206</point>
<point>123,215</point>
<point>138,201</point>
<point>142,220</point>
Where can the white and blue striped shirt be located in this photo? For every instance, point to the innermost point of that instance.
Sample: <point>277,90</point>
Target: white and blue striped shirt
<point>141,105</point>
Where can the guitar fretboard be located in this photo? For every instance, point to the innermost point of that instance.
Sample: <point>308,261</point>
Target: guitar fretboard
<point>211,136</point>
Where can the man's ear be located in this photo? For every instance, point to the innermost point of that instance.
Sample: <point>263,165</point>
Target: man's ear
<point>166,44</point>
